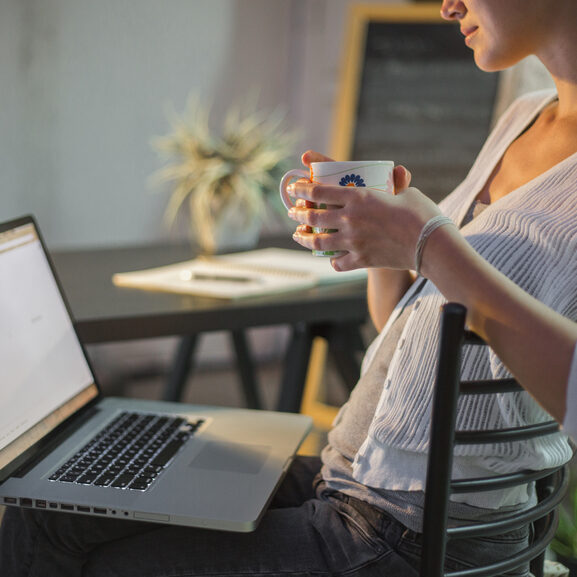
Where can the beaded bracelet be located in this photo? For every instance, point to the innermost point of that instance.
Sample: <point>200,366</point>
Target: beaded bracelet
<point>430,226</point>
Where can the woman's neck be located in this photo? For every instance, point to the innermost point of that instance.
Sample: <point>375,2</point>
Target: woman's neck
<point>566,106</point>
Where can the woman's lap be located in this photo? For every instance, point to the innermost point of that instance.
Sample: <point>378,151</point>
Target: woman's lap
<point>321,537</point>
<point>300,534</point>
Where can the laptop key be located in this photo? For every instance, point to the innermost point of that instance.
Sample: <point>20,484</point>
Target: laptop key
<point>87,478</point>
<point>167,453</point>
<point>122,481</point>
<point>68,478</point>
<point>141,483</point>
<point>104,480</point>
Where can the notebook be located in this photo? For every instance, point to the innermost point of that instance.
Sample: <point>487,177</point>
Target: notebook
<point>241,275</point>
<point>64,447</point>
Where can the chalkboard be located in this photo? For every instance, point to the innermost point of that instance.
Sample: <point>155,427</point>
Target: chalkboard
<point>411,93</point>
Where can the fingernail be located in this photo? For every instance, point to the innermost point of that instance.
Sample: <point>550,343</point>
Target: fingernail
<point>291,189</point>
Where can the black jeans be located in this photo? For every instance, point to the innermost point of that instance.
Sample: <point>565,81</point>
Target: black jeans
<point>307,530</point>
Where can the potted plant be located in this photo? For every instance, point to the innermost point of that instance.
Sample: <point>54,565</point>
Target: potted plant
<point>223,182</point>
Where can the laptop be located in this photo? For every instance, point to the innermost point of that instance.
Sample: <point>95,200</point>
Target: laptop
<point>64,447</point>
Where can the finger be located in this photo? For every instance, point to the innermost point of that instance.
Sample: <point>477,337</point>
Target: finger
<point>302,203</point>
<point>314,156</point>
<point>303,235</point>
<point>345,261</point>
<point>317,217</point>
<point>319,241</point>
<point>329,195</point>
<point>402,178</point>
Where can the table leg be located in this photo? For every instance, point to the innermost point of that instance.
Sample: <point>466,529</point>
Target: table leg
<point>183,363</point>
<point>345,342</point>
<point>295,368</point>
<point>247,373</point>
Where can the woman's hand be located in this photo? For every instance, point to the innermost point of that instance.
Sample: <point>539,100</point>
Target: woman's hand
<point>373,229</point>
<point>313,156</point>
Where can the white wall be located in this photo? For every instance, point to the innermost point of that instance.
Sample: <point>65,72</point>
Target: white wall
<point>12,58</point>
<point>85,85</point>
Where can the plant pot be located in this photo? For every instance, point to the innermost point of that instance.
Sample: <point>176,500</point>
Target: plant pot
<point>233,229</point>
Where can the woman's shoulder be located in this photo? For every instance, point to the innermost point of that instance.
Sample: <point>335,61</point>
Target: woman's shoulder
<point>529,103</point>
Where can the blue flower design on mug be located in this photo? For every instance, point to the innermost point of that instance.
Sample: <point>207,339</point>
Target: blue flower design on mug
<point>352,180</point>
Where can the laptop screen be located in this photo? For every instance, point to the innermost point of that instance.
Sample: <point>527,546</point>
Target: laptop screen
<point>44,375</point>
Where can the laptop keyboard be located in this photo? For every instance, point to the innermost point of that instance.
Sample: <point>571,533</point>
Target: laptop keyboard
<point>129,453</point>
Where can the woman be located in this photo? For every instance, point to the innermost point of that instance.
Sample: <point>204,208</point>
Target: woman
<point>361,515</point>
<point>535,343</point>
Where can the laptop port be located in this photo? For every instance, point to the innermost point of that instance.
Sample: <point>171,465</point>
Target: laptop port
<point>10,500</point>
<point>83,509</point>
<point>24,502</point>
<point>41,504</point>
<point>100,510</point>
<point>65,507</point>
<point>53,505</point>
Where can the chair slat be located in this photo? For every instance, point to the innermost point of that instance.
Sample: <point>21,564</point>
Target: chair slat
<point>516,560</point>
<point>509,435</point>
<point>516,520</point>
<point>490,387</point>
<point>504,481</point>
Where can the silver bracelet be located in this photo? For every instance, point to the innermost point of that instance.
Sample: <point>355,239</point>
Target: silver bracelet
<point>430,226</point>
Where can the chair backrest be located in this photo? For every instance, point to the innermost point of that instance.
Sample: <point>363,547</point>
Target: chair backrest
<point>551,484</point>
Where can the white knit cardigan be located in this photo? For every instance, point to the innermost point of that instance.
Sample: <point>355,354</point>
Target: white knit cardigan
<point>531,236</point>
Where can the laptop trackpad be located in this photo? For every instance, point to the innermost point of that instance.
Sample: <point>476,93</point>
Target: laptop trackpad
<point>232,457</point>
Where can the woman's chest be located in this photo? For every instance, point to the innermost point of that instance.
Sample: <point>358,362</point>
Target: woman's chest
<point>531,155</point>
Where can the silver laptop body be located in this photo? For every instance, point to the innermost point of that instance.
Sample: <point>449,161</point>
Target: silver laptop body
<point>222,475</point>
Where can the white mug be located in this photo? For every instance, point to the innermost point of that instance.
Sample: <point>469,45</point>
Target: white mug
<point>375,174</point>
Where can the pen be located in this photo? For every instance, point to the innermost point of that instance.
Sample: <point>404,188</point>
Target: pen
<point>217,277</point>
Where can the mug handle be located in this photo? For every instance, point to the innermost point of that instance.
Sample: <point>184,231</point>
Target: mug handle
<point>285,180</point>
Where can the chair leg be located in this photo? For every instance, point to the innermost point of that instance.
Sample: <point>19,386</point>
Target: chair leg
<point>536,565</point>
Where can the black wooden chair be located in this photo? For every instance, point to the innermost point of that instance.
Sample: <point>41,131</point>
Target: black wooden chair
<point>551,484</point>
